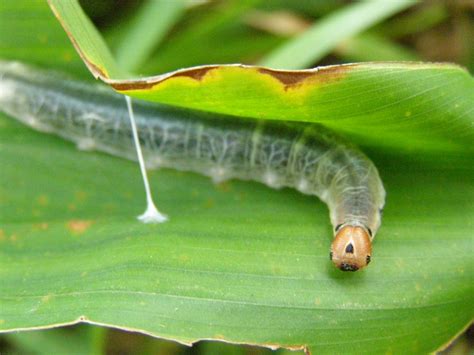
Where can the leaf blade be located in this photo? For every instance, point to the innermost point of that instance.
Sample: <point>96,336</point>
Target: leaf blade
<point>145,33</point>
<point>259,276</point>
<point>323,36</point>
<point>86,39</point>
<point>387,98</point>
<point>391,94</point>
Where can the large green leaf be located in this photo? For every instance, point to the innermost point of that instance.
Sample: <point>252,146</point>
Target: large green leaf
<point>237,262</point>
<point>386,98</point>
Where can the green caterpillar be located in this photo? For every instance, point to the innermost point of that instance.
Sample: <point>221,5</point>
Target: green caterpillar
<point>306,157</point>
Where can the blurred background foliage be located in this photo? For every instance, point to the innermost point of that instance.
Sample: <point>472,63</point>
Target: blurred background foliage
<point>189,33</point>
<point>208,32</point>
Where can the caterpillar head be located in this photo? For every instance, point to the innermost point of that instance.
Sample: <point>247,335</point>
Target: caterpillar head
<point>351,248</point>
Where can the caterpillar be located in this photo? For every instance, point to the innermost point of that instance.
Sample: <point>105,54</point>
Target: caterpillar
<point>307,157</point>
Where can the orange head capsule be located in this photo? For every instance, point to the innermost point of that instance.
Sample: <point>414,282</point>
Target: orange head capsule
<point>351,248</point>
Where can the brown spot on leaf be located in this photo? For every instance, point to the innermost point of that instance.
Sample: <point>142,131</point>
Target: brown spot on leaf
<point>287,78</point>
<point>292,78</point>
<point>78,226</point>
<point>143,84</point>
<point>132,85</point>
<point>195,73</point>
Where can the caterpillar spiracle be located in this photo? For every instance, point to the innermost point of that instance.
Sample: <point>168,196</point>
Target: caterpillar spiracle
<point>303,156</point>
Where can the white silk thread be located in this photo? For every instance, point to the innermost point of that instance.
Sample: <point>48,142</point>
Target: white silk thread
<point>151,214</point>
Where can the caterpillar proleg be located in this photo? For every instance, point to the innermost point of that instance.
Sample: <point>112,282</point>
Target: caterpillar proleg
<point>306,157</point>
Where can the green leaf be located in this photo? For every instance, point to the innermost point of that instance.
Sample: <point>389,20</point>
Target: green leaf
<point>387,99</point>
<point>204,28</point>
<point>81,340</point>
<point>423,18</point>
<point>237,262</point>
<point>86,39</point>
<point>324,35</point>
<point>372,47</point>
<point>341,97</point>
<point>29,32</point>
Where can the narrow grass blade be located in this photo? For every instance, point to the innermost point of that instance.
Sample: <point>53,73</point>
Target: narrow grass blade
<point>146,30</point>
<point>324,35</point>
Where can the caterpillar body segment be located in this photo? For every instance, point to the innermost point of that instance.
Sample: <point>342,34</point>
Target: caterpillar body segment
<point>303,156</point>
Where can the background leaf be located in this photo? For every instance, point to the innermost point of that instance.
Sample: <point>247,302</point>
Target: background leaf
<point>30,32</point>
<point>89,43</point>
<point>341,25</point>
<point>212,35</point>
<point>146,30</point>
<point>370,47</point>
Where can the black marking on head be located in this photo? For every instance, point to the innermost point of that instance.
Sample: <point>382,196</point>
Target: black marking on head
<point>330,255</point>
<point>368,230</point>
<point>381,211</point>
<point>348,267</point>
<point>350,248</point>
<point>367,259</point>
<point>338,227</point>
